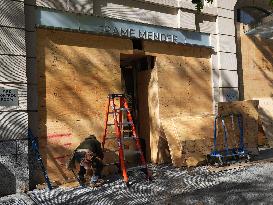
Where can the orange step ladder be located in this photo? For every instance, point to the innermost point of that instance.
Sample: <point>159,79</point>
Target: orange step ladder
<point>117,112</point>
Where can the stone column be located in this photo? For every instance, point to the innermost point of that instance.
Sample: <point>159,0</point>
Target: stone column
<point>14,172</point>
<point>224,60</point>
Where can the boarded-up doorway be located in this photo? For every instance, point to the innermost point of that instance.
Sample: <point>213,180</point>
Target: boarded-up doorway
<point>135,76</point>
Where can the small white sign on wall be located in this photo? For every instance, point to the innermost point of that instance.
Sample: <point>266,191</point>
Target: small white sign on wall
<point>8,97</point>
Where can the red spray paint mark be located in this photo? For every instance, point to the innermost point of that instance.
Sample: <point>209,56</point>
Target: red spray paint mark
<point>67,144</point>
<point>59,135</point>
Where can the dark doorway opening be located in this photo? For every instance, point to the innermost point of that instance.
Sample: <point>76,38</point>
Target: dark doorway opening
<point>135,77</point>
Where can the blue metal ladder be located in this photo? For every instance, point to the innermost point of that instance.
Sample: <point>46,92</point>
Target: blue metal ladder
<point>38,157</point>
<point>229,152</point>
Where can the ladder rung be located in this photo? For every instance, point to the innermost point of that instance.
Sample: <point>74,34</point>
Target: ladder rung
<point>134,152</point>
<point>129,138</point>
<point>137,167</point>
<point>111,132</point>
<point>111,151</point>
<point>124,123</point>
<point>127,123</point>
<point>110,138</point>
<point>113,163</point>
<point>123,109</point>
<point>127,131</point>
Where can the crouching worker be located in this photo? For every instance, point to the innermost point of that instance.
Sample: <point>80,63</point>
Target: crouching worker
<point>89,155</point>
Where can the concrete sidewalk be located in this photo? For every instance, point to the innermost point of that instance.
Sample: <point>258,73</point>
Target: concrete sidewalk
<point>16,199</point>
<point>249,184</point>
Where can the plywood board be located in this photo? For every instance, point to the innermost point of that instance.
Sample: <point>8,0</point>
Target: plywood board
<point>185,100</point>
<point>190,85</point>
<point>249,111</point>
<point>76,73</point>
<point>266,117</point>
<point>188,137</point>
<point>257,66</point>
<point>143,79</point>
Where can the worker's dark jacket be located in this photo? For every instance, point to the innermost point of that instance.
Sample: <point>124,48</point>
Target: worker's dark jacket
<point>93,145</point>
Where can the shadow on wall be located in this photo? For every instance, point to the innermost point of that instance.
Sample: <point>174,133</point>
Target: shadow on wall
<point>182,85</point>
<point>260,74</point>
<point>7,181</point>
<point>255,73</point>
<point>76,73</point>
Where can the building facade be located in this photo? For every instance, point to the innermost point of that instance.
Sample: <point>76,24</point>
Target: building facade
<point>59,59</point>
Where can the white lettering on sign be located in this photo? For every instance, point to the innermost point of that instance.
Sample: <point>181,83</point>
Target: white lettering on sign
<point>120,28</point>
<point>132,33</point>
<point>8,97</point>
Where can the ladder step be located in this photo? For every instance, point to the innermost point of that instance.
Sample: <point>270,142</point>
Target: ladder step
<point>111,132</point>
<point>114,137</point>
<point>110,138</point>
<point>111,151</point>
<point>113,163</point>
<point>129,138</point>
<point>127,123</point>
<point>137,167</point>
<point>131,151</point>
<point>124,123</point>
<point>123,109</point>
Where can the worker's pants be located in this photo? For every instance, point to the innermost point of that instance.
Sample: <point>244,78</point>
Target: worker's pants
<point>96,166</point>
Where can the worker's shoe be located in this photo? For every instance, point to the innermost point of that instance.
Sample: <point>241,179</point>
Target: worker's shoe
<point>95,181</point>
<point>82,180</point>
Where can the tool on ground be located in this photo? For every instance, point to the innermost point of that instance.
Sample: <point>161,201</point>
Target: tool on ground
<point>234,153</point>
<point>118,113</point>
<point>35,148</point>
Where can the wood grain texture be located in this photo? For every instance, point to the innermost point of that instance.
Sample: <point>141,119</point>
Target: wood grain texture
<point>76,73</point>
<point>185,99</point>
<point>257,67</point>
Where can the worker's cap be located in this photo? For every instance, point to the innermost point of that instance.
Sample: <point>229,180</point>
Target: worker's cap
<point>91,136</point>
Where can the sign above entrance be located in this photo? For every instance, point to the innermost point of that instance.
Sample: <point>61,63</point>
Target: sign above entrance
<point>115,27</point>
<point>133,33</point>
